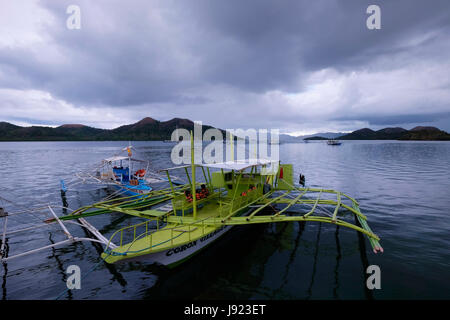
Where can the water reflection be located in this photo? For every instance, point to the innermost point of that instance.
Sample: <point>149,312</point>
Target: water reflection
<point>59,266</point>
<point>336,269</point>
<point>313,274</point>
<point>292,256</point>
<point>5,269</point>
<point>364,262</point>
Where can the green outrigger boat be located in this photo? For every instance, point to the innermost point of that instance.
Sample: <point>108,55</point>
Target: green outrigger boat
<point>179,221</point>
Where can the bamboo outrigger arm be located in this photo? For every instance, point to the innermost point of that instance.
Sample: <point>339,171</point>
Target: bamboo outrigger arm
<point>322,210</point>
<point>56,220</point>
<point>131,205</point>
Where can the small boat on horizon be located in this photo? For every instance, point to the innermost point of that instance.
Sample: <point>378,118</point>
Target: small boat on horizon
<point>334,142</point>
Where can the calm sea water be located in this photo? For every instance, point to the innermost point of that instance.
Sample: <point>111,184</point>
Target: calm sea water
<point>402,187</point>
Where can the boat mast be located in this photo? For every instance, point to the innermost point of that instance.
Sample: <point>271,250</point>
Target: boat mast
<point>194,197</point>
<point>231,147</point>
<point>129,160</point>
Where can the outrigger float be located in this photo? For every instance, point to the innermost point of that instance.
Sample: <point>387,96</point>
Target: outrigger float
<point>179,221</point>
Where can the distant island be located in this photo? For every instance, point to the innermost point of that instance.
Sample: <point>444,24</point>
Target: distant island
<point>417,133</point>
<point>316,138</point>
<point>150,129</point>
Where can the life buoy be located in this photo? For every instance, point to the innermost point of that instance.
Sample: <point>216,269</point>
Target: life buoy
<point>140,173</point>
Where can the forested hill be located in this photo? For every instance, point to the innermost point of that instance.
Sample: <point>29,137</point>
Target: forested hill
<point>146,129</point>
<point>417,133</point>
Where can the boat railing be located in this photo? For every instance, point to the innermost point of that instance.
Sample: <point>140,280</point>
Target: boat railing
<point>182,206</point>
<point>175,232</point>
<point>243,199</point>
<point>149,226</point>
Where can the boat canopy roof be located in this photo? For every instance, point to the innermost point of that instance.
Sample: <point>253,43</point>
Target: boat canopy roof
<point>119,158</point>
<point>237,165</point>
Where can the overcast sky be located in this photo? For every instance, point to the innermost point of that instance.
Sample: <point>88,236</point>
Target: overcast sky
<point>300,66</point>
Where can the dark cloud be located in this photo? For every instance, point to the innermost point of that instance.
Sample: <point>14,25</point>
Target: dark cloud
<point>397,119</point>
<point>206,55</point>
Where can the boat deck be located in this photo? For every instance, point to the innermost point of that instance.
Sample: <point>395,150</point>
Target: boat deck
<point>173,234</point>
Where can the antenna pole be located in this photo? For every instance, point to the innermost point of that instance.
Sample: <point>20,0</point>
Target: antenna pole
<point>194,197</point>
<point>232,146</point>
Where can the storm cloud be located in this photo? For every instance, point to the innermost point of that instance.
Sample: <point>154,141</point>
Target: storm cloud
<point>301,66</point>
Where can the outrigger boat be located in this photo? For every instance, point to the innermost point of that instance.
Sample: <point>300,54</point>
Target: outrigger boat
<point>333,142</point>
<point>122,172</point>
<point>181,220</point>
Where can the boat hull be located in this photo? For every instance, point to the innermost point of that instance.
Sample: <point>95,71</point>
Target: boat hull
<point>177,255</point>
<point>128,192</point>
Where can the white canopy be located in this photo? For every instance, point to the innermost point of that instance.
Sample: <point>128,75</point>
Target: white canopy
<point>119,158</point>
<point>237,165</point>
<point>115,158</point>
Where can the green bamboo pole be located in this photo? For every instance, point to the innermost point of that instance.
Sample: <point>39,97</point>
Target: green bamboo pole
<point>170,182</point>
<point>194,197</point>
<point>337,206</point>
<point>249,204</point>
<point>210,180</point>
<point>290,204</point>
<point>187,174</point>
<point>314,207</point>
<point>268,203</point>
<point>235,191</point>
<point>204,175</point>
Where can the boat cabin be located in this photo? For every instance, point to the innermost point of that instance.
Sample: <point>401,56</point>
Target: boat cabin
<point>230,187</point>
<point>118,169</point>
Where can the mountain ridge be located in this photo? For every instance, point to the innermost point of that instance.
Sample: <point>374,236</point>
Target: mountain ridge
<point>143,130</point>
<point>151,129</point>
<point>397,133</point>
